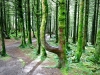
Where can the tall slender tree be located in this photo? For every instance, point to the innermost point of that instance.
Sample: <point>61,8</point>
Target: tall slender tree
<point>85,35</point>
<point>16,17</point>
<point>4,19</point>
<point>43,26</point>
<point>75,18</point>
<point>38,26</point>
<point>94,25</point>
<point>97,46</point>
<point>21,22</point>
<point>67,19</point>
<point>3,53</point>
<point>80,32</point>
<point>29,23</point>
<point>57,21</point>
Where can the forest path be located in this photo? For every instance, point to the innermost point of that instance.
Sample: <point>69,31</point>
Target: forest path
<point>38,67</point>
<point>14,66</point>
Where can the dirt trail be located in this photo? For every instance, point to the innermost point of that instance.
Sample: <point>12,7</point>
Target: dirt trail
<point>15,67</point>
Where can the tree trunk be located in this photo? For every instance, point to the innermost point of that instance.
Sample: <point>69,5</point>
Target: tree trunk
<point>78,19</point>
<point>61,50</point>
<point>75,17</point>
<point>3,53</point>
<point>29,24</point>
<point>38,26</point>
<point>96,22</point>
<point>16,17</point>
<point>93,25</point>
<point>57,22</point>
<point>97,47</point>
<point>43,26</point>
<point>4,21</point>
<point>86,24</point>
<point>67,23</point>
<point>50,25</point>
<point>33,21</point>
<point>21,23</point>
<point>80,32</point>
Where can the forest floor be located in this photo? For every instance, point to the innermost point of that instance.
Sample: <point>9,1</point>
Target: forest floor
<point>23,61</point>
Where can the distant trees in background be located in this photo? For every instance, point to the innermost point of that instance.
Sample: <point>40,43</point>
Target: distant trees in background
<point>77,20</point>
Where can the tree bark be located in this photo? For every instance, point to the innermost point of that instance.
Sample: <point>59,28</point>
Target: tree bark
<point>29,24</point>
<point>80,32</point>
<point>3,53</point>
<point>75,17</point>
<point>38,26</point>
<point>21,23</point>
<point>85,35</point>
<point>61,50</point>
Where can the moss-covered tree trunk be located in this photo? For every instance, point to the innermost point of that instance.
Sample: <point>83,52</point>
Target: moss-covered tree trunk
<point>43,26</point>
<point>26,17</point>
<point>61,50</point>
<point>33,20</point>
<point>38,26</point>
<point>57,22</point>
<point>97,46</point>
<point>96,22</point>
<point>80,32</point>
<point>3,53</point>
<point>50,32</point>
<point>67,19</point>
<point>62,42</point>
<point>93,25</point>
<point>85,35</point>
<point>21,23</point>
<point>16,18</point>
<point>4,21</point>
<point>29,23</point>
<point>75,18</point>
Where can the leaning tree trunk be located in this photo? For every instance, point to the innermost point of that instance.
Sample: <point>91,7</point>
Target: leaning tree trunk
<point>80,34</point>
<point>61,50</point>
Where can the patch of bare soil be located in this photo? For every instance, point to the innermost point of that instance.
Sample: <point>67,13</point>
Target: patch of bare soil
<point>12,48</point>
<point>15,65</point>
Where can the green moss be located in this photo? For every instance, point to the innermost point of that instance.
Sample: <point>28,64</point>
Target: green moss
<point>64,71</point>
<point>7,57</point>
<point>22,61</point>
<point>23,46</point>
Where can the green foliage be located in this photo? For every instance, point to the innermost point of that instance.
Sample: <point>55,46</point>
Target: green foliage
<point>31,52</point>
